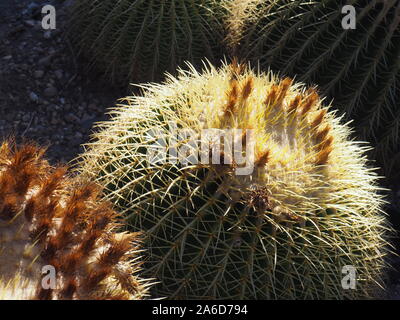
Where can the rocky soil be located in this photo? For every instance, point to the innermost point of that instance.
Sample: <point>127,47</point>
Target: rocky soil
<point>45,94</point>
<point>48,96</point>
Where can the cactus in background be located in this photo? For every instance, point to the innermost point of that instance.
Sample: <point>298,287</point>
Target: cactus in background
<point>359,69</point>
<point>48,220</point>
<point>283,230</point>
<point>141,39</point>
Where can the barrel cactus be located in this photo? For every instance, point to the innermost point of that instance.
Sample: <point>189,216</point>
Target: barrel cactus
<point>58,240</point>
<point>245,186</point>
<point>141,39</point>
<point>358,68</point>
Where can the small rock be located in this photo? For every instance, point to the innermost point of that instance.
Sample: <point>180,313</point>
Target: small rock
<point>24,67</point>
<point>29,23</point>
<point>38,26</point>
<point>38,74</point>
<point>87,122</point>
<point>47,34</point>
<point>9,116</point>
<point>34,97</point>
<point>26,117</point>
<point>69,3</point>
<point>54,118</point>
<point>92,106</point>
<point>46,60</point>
<point>50,92</point>
<point>70,117</point>
<point>30,9</point>
<point>59,74</point>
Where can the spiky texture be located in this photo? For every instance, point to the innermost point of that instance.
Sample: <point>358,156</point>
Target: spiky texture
<point>359,69</point>
<point>284,231</point>
<point>239,14</point>
<point>141,39</point>
<point>49,219</point>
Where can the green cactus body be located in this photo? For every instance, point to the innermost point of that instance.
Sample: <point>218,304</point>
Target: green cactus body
<point>282,231</point>
<point>141,39</point>
<point>358,68</point>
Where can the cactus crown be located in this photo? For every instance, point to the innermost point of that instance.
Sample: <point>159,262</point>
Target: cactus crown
<point>284,230</point>
<point>50,220</point>
<point>141,39</point>
<point>358,68</point>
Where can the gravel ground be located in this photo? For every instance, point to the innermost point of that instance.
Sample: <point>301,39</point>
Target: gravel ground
<point>46,95</point>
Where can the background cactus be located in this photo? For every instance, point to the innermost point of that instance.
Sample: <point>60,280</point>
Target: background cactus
<point>49,219</point>
<point>359,69</point>
<point>141,39</point>
<point>284,231</point>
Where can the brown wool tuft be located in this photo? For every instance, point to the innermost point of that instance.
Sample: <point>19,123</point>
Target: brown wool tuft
<point>232,97</point>
<point>71,261</point>
<point>237,68</point>
<point>326,143</point>
<point>115,252</point>
<point>263,159</point>
<point>95,277</point>
<point>323,155</point>
<point>43,294</point>
<point>283,89</point>
<point>294,104</point>
<point>88,243</point>
<point>322,134</point>
<point>310,101</point>
<point>247,88</point>
<point>272,94</point>
<point>53,183</point>
<point>68,291</point>
<point>318,119</point>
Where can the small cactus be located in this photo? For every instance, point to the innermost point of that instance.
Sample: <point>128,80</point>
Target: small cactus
<point>358,68</point>
<point>142,39</point>
<point>285,230</point>
<point>49,221</point>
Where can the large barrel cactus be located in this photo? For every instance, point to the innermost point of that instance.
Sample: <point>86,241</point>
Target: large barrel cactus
<point>58,240</point>
<point>245,186</point>
<point>358,68</point>
<point>141,39</point>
